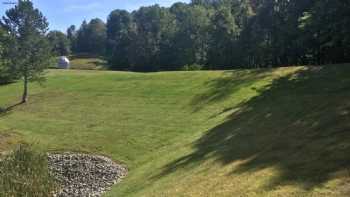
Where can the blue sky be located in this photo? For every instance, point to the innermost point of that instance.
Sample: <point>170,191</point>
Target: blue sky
<point>63,13</point>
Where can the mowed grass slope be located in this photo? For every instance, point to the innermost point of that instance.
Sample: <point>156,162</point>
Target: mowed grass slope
<point>268,132</point>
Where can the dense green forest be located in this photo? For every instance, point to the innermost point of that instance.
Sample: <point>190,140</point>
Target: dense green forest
<point>214,35</point>
<point>220,34</point>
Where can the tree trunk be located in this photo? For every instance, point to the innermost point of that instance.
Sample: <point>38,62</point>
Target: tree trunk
<point>25,90</point>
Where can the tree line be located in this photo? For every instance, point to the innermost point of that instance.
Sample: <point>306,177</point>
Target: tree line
<point>203,34</point>
<point>219,34</point>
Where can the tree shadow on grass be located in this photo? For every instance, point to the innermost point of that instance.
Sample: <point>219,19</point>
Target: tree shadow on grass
<point>6,83</point>
<point>6,110</point>
<point>300,125</point>
<point>230,82</point>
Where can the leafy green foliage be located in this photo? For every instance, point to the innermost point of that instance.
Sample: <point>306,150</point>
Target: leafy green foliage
<point>226,34</point>
<point>28,49</point>
<point>90,38</point>
<point>24,173</point>
<point>145,42</point>
<point>326,27</point>
<point>119,32</point>
<point>4,75</point>
<point>7,73</point>
<point>72,37</point>
<point>59,43</point>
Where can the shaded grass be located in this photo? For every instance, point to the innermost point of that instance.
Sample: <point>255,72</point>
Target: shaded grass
<point>275,132</point>
<point>289,126</point>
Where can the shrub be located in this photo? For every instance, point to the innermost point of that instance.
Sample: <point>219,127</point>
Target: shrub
<point>5,75</point>
<point>24,173</point>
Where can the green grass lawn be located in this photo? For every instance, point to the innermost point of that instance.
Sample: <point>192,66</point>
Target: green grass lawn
<point>269,132</point>
<point>87,62</point>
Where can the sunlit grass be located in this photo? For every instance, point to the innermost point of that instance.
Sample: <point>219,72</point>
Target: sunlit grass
<point>268,132</point>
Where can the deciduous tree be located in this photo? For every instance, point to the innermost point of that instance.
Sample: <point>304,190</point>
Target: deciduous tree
<point>59,43</point>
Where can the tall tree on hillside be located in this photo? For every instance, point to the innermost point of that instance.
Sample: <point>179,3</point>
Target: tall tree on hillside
<point>120,28</point>
<point>326,31</point>
<point>5,73</point>
<point>29,52</point>
<point>167,51</point>
<point>145,43</point>
<point>82,38</point>
<point>192,36</point>
<point>2,49</point>
<point>91,37</point>
<point>224,33</point>
<point>59,43</point>
<point>72,37</point>
<point>96,37</point>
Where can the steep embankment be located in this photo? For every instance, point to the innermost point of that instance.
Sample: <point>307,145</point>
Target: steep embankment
<point>276,132</point>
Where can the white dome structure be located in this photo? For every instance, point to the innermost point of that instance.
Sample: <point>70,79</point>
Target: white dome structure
<point>63,62</point>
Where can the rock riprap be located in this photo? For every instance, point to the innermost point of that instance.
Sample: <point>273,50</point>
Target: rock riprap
<point>83,175</point>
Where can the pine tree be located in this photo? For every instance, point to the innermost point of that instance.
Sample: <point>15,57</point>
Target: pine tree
<point>29,51</point>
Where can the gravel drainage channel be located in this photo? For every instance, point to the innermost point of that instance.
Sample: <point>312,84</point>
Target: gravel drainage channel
<point>84,175</point>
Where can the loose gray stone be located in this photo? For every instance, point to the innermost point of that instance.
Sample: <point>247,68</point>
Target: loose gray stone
<point>83,175</point>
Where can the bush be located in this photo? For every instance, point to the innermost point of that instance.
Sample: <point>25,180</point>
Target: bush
<point>6,77</point>
<point>24,173</point>
<point>192,67</point>
<point>7,74</point>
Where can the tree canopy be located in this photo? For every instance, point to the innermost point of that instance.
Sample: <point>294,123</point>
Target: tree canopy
<point>6,74</point>
<point>59,42</point>
<point>221,34</point>
<point>90,38</point>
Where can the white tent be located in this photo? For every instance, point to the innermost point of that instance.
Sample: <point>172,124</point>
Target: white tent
<point>63,62</point>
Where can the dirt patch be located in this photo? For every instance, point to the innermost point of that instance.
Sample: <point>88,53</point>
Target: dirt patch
<point>7,141</point>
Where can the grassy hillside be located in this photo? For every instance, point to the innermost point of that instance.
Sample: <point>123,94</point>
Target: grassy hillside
<point>271,132</point>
